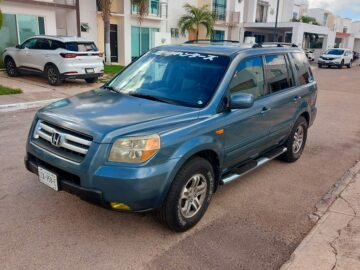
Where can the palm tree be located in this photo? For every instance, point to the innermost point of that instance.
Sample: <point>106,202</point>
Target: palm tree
<point>142,7</point>
<point>195,17</point>
<point>105,6</point>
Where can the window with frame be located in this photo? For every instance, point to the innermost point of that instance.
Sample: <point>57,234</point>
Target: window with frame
<point>278,74</point>
<point>174,32</point>
<point>302,67</point>
<point>249,77</point>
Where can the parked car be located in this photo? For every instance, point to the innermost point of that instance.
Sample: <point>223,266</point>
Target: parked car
<point>56,58</point>
<point>174,125</point>
<point>310,55</point>
<point>336,57</point>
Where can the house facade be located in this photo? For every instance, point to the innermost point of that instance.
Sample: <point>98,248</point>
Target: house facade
<point>26,18</point>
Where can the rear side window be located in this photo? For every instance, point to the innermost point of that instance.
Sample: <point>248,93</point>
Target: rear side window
<point>55,44</point>
<point>302,67</point>
<point>249,77</point>
<point>278,74</point>
<point>81,46</point>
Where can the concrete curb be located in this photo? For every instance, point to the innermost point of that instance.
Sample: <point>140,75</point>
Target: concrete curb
<point>322,210</point>
<point>26,105</point>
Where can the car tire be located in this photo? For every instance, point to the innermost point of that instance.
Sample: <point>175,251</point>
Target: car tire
<point>53,75</point>
<point>341,65</point>
<point>189,195</point>
<point>296,141</point>
<point>349,65</point>
<point>91,80</point>
<point>11,68</point>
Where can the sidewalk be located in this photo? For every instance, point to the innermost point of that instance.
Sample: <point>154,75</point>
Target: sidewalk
<point>334,242</point>
<point>36,88</point>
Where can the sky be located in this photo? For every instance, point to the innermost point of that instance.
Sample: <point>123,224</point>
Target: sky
<point>345,8</point>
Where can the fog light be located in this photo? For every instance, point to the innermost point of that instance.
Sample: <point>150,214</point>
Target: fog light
<point>119,206</point>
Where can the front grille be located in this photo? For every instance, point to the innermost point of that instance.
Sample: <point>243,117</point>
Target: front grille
<point>63,142</point>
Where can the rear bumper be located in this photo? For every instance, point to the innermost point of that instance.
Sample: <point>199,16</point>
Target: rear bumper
<point>82,76</point>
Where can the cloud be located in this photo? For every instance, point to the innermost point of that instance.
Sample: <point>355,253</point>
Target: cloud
<point>337,6</point>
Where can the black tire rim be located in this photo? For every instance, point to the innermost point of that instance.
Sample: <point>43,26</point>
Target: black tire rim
<point>52,75</point>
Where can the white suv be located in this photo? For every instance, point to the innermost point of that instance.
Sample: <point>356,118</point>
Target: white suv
<point>55,57</point>
<point>336,57</point>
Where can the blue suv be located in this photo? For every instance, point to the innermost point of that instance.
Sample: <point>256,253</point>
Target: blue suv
<point>174,125</point>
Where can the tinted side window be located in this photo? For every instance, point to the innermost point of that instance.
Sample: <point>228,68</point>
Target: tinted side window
<point>30,44</point>
<point>277,73</point>
<point>54,44</point>
<point>302,67</point>
<point>42,44</point>
<point>249,77</point>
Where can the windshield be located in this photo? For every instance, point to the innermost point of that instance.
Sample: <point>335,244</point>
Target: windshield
<point>335,52</point>
<point>180,78</point>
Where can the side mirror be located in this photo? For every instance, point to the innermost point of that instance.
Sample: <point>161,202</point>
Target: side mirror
<point>18,46</point>
<point>241,101</point>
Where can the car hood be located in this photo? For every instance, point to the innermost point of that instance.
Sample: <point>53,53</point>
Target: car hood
<point>100,111</point>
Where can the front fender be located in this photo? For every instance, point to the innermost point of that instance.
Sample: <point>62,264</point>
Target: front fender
<point>189,149</point>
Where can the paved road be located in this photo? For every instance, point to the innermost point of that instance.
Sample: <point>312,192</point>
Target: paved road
<point>253,223</point>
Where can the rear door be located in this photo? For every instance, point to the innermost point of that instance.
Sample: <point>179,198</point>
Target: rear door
<point>283,95</point>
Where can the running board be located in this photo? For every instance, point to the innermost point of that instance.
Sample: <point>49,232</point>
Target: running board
<point>252,165</point>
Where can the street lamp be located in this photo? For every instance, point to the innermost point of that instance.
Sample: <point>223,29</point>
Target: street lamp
<point>276,22</point>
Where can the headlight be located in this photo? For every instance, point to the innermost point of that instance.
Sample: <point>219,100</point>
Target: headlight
<point>135,149</point>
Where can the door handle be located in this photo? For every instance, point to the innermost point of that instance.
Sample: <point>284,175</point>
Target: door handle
<point>265,110</point>
<point>297,98</point>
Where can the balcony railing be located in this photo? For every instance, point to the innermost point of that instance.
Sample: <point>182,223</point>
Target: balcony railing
<point>155,9</point>
<point>229,18</point>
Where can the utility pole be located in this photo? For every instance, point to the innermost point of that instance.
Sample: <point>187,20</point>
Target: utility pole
<point>276,22</point>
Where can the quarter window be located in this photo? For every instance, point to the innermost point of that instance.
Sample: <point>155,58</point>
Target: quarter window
<point>302,67</point>
<point>277,73</point>
<point>249,77</point>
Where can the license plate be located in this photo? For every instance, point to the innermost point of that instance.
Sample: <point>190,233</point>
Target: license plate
<point>48,178</point>
<point>89,70</point>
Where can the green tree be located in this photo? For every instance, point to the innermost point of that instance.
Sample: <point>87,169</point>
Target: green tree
<point>194,18</point>
<point>105,7</point>
<point>142,7</point>
<point>307,19</point>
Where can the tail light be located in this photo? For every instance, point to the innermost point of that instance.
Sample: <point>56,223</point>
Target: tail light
<point>68,55</point>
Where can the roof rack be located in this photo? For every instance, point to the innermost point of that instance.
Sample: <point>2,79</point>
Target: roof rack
<point>274,44</point>
<point>195,41</point>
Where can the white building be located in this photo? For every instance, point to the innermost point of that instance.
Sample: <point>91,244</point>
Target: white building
<point>25,18</point>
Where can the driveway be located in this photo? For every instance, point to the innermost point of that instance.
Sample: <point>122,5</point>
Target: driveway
<point>253,223</point>
<point>36,88</point>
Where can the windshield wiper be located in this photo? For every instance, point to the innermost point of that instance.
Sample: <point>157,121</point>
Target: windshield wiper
<point>110,88</point>
<point>152,98</point>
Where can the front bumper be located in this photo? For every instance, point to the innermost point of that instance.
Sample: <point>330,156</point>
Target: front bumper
<point>329,62</point>
<point>141,188</point>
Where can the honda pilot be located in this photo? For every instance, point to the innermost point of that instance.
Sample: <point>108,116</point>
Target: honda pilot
<point>173,126</point>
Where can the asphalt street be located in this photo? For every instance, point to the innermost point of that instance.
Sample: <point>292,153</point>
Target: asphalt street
<point>252,223</point>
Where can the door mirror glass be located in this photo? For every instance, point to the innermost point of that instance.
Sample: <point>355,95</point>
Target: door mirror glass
<point>241,101</point>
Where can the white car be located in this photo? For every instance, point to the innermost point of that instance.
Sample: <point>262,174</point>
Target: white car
<point>336,57</point>
<point>55,57</point>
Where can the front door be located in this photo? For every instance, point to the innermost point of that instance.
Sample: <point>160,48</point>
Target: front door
<point>247,130</point>
<point>114,42</point>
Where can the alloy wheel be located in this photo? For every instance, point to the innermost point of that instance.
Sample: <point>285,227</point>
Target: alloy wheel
<point>193,195</point>
<point>298,139</point>
<point>52,75</point>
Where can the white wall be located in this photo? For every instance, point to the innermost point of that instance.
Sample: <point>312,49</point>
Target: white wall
<point>88,15</point>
